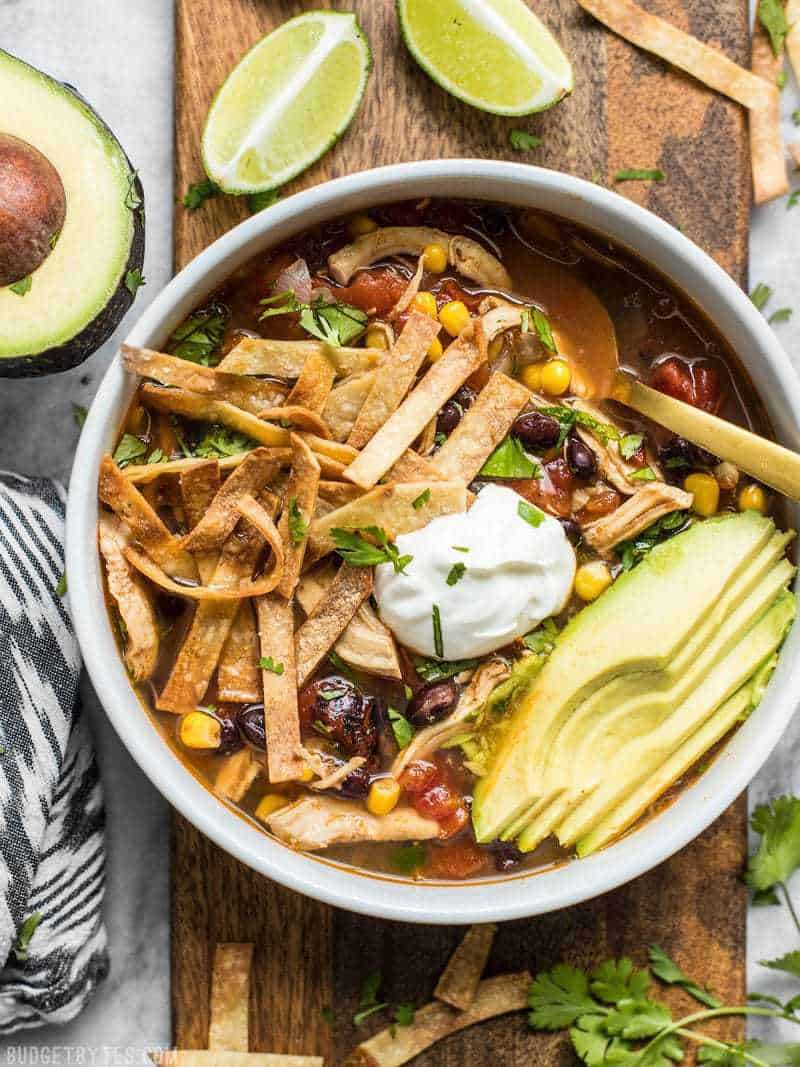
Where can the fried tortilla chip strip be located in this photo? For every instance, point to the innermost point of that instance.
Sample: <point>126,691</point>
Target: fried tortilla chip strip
<point>286,359</point>
<point>281,714</point>
<point>770,179</point>
<point>399,1044</point>
<point>237,773</point>
<point>238,674</point>
<point>143,473</point>
<point>395,376</point>
<point>132,600</point>
<point>204,1058</point>
<point>412,467</point>
<point>313,386</point>
<point>344,403</point>
<point>198,656</point>
<point>329,619</point>
<point>205,593</point>
<point>399,432</point>
<point>228,1028</point>
<point>222,515</point>
<point>199,485</point>
<point>391,507</point>
<point>317,822</point>
<point>295,522</point>
<point>299,418</point>
<point>145,526</point>
<point>461,977</point>
<point>333,495</point>
<point>482,428</point>
<point>682,50</point>
<point>251,394</point>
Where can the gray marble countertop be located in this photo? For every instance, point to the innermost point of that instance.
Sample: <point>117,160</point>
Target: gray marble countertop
<point>120,55</point>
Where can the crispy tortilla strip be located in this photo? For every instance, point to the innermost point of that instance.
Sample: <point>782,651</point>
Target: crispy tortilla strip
<point>412,467</point>
<point>198,656</point>
<point>395,376</point>
<point>461,358</point>
<point>682,50</point>
<point>257,514</point>
<point>301,500</point>
<point>366,643</point>
<point>145,526</point>
<point>199,486</point>
<point>313,386</point>
<point>281,715</point>
<point>132,599</point>
<point>793,37</point>
<point>228,1058</point>
<point>639,511</point>
<point>390,506</point>
<point>251,394</point>
<point>300,419</point>
<point>332,495</point>
<point>318,822</point>
<point>238,674</point>
<point>344,403</point>
<point>399,1044</point>
<point>237,774</point>
<point>204,593</point>
<point>228,1028</point>
<point>483,427</point>
<point>222,515</point>
<point>329,619</point>
<point>459,983</point>
<point>468,257</point>
<point>770,179</point>
<point>143,473</point>
<point>427,439</point>
<point>286,359</point>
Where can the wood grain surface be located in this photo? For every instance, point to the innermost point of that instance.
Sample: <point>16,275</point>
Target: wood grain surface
<point>628,110</point>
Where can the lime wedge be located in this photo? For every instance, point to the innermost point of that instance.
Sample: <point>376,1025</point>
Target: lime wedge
<point>493,54</point>
<point>286,102</point>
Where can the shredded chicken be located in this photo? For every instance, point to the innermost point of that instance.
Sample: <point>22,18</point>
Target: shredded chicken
<point>330,771</point>
<point>612,466</point>
<point>132,598</point>
<point>648,504</point>
<point>318,822</point>
<point>486,678</point>
<point>409,292</point>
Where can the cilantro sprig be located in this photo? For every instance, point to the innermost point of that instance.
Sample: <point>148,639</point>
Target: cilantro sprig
<point>330,321</point>
<point>369,548</point>
<point>298,527</point>
<point>199,337</point>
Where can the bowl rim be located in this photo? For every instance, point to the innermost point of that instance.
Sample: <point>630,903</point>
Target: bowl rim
<point>501,898</point>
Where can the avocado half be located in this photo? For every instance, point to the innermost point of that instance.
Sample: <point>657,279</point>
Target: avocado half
<point>71,225</point>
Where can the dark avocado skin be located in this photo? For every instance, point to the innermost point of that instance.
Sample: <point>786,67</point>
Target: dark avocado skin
<point>82,345</point>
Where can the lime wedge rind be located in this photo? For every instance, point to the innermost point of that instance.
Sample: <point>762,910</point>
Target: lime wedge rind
<point>337,29</point>
<point>553,73</point>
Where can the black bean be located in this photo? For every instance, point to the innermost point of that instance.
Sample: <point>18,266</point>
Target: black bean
<point>251,723</point>
<point>432,702</point>
<point>230,740</point>
<point>580,459</point>
<point>678,455</point>
<point>506,856</point>
<point>337,709</point>
<point>449,417</point>
<point>572,530</point>
<point>536,431</point>
<point>355,785</point>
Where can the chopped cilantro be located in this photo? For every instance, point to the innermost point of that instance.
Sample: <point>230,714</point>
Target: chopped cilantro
<point>542,326</point>
<point>531,514</point>
<point>796,117</point>
<point>156,456</point>
<point>408,858</point>
<point>421,500</point>
<point>630,444</point>
<point>459,548</point>
<point>134,280</point>
<point>21,287</point>
<point>198,192</point>
<point>258,201</point>
<point>129,449</point>
<point>368,1002</point>
<point>267,663</point>
<point>778,854</point>
<point>438,643</point>
<point>25,935</point>
<point>760,295</point>
<point>340,665</point>
<point>198,338</point>
<point>780,80</point>
<point>327,1015</point>
<point>435,670</point>
<point>644,474</point>
<point>332,694</point>
<point>404,1014</point>
<point>793,200</point>
<point>635,549</point>
<point>79,413</point>
<point>781,315</point>
<point>772,17</point>
<point>220,441</point>
<point>522,141</point>
<point>61,588</point>
<point>401,728</point>
<point>440,438</point>
<point>509,460</point>
<point>543,638</point>
<point>634,174</point>
<point>298,527</point>
<point>668,971</point>
<point>357,550</point>
<point>571,417</point>
<point>456,573</point>
<point>334,323</point>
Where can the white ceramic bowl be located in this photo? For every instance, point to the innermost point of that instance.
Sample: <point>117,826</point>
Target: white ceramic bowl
<point>497,898</point>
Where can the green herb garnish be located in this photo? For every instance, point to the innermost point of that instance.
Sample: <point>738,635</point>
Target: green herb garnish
<point>298,527</point>
<point>459,548</point>
<point>543,638</point>
<point>456,573</point>
<point>760,295</point>
<point>134,280</point>
<point>334,323</point>
<point>332,694</point>
<point>438,643</point>
<point>401,728</point>
<point>635,549</point>
<point>542,326</point>
<point>258,201</point>
<point>796,117</point>
<point>421,500</point>
<point>439,438</point>
<point>509,460</point>
<point>522,141</point>
<point>21,287</point>
<point>368,1002</point>
<point>793,200</point>
<point>531,514</point>
<point>79,413</point>
<point>408,858</point>
<point>668,971</point>
<point>327,1015</point>
<point>780,80</point>
<point>772,17</point>
<point>436,670</point>
<point>357,550</point>
<point>197,194</point>
<point>630,444</point>
<point>156,456</point>
<point>25,935</point>
<point>781,315</point>
<point>61,588</point>
<point>634,174</point>
<point>267,663</point>
<point>404,1015</point>
<point>220,441</point>
<point>568,418</point>
<point>198,338</point>
<point>129,449</point>
<point>644,474</point>
<point>340,665</point>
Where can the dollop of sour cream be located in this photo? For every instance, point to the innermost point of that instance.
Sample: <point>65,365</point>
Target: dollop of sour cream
<point>506,575</point>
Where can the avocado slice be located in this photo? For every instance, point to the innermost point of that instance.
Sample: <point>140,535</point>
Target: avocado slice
<point>640,624</point>
<point>61,164</point>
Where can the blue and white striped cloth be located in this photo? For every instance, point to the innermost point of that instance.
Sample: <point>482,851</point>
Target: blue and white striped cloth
<point>51,805</point>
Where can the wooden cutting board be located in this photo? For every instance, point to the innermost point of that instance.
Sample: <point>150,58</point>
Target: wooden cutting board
<point>628,110</point>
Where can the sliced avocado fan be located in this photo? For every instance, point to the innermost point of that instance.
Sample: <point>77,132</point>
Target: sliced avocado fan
<point>641,681</point>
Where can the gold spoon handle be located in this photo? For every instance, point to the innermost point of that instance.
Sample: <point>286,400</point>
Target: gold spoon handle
<point>770,463</point>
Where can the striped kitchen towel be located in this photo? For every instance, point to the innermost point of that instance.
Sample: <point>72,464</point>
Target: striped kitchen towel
<point>51,806</point>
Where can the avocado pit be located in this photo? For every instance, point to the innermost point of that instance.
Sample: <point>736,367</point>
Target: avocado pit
<point>33,206</point>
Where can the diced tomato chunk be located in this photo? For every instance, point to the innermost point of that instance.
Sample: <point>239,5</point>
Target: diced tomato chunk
<point>459,860</point>
<point>697,384</point>
<point>418,776</point>
<point>437,802</point>
<point>599,504</point>
<point>378,289</point>
<point>454,823</point>
<point>451,290</point>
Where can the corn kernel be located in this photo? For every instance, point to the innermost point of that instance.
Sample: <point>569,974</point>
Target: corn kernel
<point>269,803</point>
<point>752,498</point>
<point>591,579</point>
<point>360,225</point>
<point>383,796</point>
<point>705,490</point>
<point>435,351</point>
<point>426,303</point>
<point>376,338</point>
<point>531,376</point>
<point>454,316</point>
<point>556,377</point>
<point>434,258</point>
<point>306,775</point>
<point>198,731</point>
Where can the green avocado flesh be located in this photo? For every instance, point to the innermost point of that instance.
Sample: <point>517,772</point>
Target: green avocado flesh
<point>71,292</point>
<point>640,684</point>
